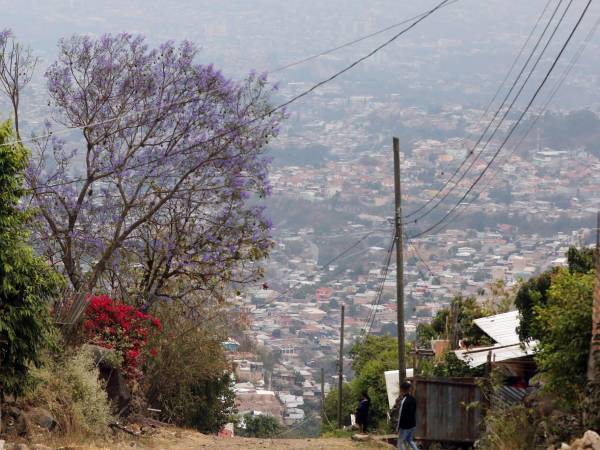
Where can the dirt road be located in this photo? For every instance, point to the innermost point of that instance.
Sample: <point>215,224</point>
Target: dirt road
<point>184,440</point>
<point>178,439</point>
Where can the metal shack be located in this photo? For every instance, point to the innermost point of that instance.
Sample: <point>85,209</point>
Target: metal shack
<point>449,410</point>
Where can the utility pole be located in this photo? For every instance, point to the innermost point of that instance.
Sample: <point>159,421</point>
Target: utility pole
<point>341,370</point>
<point>399,263</point>
<point>593,361</point>
<point>322,396</point>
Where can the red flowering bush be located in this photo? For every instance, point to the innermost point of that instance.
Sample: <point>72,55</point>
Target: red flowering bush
<point>111,324</point>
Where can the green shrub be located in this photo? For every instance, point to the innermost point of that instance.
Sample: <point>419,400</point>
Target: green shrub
<point>27,283</point>
<point>511,428</point>
<point>565,322</point>
<point>261,426</point>
<point>71,390</point>
<point>188,380</point>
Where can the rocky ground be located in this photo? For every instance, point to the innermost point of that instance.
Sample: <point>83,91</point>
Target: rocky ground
<point>589,441</point>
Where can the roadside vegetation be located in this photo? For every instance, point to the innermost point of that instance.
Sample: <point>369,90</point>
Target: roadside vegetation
<point>120,248</point>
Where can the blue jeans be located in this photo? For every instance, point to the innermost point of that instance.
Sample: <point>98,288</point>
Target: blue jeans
<point>406,435</point>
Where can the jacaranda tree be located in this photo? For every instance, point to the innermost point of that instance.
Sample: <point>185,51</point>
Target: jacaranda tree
<point>149,194</point>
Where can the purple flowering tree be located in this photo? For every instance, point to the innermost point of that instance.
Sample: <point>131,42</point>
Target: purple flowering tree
<point>149,194</point>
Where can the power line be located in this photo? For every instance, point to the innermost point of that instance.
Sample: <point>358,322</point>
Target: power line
<point>502,105</point>
<point>411,243</point>
<point>365,57</point>
<point>350,43</point>
<point>540,114</point>
<point>328,263</point>
<point>484,114</point>
<point>382,276</point>
<point>366,329</point>
<point>515,125</point>
<point>282,106</point>
<point>250,122</point>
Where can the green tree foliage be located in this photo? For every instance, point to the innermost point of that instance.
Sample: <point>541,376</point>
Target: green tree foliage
<point>350,402</point>
<point>449,366</point>
<point>208,404</point>
<point>565,324</point>
<point>455,323</point>
<point>534,292</point>
<point>188,379</point>
<point>261,426</point>
<point>373,348</point>
<point>26,282</point>
<point>370,359</point>
<point>581,260</point>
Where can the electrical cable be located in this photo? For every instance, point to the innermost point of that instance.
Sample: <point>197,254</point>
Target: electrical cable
<point>411,243</point>
<point>514,127</point>
<point>382,276</point>
<point>484,114</point>
<point>350,43</point>
<point>501,107</point>
<point>280,107</point>
<point>328,263</point>
<point>366,329</point>
<point>540,114</point>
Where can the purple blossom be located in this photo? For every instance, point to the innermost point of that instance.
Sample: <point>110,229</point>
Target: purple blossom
<point>171,151</point>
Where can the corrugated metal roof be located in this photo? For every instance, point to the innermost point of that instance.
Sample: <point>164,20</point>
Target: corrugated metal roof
<point>478,357</point>
<point>502,328</point>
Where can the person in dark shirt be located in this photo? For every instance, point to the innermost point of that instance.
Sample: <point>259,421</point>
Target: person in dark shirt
<point>404,415</point>
<point>362,412</point>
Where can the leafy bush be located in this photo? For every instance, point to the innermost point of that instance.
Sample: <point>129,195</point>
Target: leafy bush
<point>26,282</point>
<point>261,426</point>
<point>350,402</point>
<point>511,428</point>
<point>456,323</point>
<point>188,380</point>
<point>370,359</point>
<point>449,366</point>
<point>71,390</point>
<point>566,330</point>
<point>123,328</point>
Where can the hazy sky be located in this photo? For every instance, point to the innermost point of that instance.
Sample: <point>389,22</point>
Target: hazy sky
<point>471,40</point>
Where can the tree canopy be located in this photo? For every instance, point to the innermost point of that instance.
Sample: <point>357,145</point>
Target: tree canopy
<point>534,292</point>
<point>455,323</point>
<point>26,282</point>
<point>151,201</point>
<point>370,359</point>
<point>565,324</point>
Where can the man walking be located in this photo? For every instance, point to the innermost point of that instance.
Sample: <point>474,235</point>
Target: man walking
<point>404,414</point>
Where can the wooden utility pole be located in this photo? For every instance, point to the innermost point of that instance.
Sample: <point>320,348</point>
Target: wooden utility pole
<point>593,361</point>
<point>322,395</point>
<point>399,263</point>
<point>341,370</point>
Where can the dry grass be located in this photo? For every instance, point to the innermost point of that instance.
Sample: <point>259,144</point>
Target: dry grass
<point>71,390</point>
<point>180,439</point>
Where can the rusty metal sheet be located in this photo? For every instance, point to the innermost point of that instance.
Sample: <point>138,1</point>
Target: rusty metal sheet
<point>443,412</point>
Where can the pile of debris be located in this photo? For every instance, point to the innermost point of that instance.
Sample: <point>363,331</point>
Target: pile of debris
<point>589,441</point>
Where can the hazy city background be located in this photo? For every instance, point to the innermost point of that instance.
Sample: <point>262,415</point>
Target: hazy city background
<point>331,172</point>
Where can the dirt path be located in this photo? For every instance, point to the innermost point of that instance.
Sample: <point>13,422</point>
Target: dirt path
<point>178,439</point>
<point>184,440</point>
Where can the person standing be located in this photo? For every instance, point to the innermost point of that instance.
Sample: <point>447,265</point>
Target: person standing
<point>362,412</point>
<point>404,414</point>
